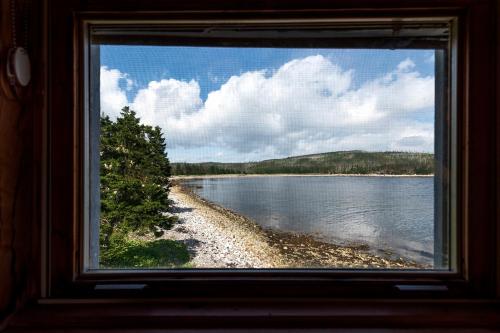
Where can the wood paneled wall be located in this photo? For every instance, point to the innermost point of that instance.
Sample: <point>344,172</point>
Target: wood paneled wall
<point>19,171</point>
<point>22,126</point>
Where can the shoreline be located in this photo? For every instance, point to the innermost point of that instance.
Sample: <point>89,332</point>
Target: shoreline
<point>217,238</point>
<point>181,177</point>
<point>248,245</point>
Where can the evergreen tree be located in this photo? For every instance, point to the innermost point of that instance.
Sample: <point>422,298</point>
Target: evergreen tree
<point>135,174</point>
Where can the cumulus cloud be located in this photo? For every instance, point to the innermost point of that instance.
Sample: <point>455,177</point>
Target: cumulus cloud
<point>307,105</point>
<point>162,101</point>
<point>113,97</point>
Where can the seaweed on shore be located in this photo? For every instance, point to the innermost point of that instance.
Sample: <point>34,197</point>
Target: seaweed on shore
<point>304,251</point>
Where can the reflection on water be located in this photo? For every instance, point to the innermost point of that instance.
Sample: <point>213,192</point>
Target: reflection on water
<point>388,213</point>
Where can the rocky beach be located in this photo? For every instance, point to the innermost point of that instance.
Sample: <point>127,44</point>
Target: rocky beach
<point>219,238</point>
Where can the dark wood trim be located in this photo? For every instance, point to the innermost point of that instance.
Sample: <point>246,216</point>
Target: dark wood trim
<point>293,313</point>
<point>266,6</point>
<point>497,166</point>
<point>479,147</point>
<point>476,168</point>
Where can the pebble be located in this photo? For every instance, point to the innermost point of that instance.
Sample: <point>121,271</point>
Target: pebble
<point>218,238</point>
<point>214,240</point>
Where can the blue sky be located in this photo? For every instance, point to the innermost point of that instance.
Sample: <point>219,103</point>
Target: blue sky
<point>266,102</point>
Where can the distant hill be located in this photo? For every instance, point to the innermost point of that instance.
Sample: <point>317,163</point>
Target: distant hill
<point>340,162</point>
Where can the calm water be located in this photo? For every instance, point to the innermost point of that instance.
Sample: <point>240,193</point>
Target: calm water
<point>390,213</point>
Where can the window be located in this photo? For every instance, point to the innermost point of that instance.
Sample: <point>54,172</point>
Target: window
<point>305,145</point>
<point>471,119</point>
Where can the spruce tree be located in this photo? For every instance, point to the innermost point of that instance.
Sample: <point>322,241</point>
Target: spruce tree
<point>134,179</point>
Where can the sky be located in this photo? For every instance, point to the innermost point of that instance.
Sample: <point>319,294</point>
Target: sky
<point>250,104</point>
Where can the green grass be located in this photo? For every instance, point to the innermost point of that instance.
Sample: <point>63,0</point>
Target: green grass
<point>160,253</point>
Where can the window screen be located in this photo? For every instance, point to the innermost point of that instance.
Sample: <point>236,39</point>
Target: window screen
<point>269,148</point>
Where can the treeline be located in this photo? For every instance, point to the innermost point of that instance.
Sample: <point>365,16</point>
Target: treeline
<point>341,162</point>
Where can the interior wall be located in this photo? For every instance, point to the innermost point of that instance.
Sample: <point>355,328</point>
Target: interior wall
<point>19,156</point>
<point>497,55</point>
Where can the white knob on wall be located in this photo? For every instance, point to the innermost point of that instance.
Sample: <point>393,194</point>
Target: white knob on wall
<point>18,67</point>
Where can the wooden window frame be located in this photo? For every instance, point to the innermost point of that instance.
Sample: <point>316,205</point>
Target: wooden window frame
<point>368,33</point>
<point>476,275</point>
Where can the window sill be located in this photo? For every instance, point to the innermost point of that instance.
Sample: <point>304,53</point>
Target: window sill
<point>199,314</point>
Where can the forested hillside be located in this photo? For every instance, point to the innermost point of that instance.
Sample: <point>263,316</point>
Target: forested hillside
<point>341,162</point>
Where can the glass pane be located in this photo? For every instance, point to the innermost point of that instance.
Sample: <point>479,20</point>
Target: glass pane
<point>258,157</point>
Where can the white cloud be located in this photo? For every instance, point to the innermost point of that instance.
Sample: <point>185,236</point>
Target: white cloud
<point>113,98</point>
<point>308,105</point>
<point>167,100</point>
<point>405,65</point>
